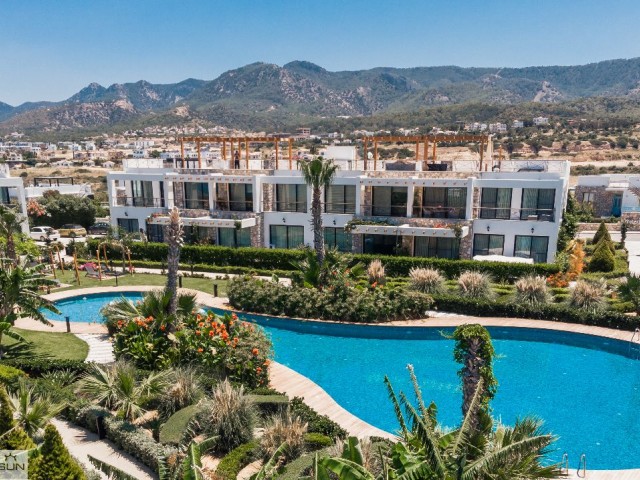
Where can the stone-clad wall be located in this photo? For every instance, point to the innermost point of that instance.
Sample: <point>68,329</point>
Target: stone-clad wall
<point>603,202</point>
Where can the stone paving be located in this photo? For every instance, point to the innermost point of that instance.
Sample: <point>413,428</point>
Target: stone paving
<point>100,347</point>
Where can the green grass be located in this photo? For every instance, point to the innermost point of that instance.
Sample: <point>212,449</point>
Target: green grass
<point>60,346</point>
<point>202,284</point>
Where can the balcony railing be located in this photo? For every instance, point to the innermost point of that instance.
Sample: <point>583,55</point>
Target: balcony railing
<point>529,214</point>
<point>385,210</point>
<point>140,202</point>
<point>299,207</point>
<point>195,204</point>
<point>234,205</point>
<point>335,207</point>
<point>439,212</point>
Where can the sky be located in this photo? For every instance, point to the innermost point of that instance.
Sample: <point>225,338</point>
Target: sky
<point>51,49</point>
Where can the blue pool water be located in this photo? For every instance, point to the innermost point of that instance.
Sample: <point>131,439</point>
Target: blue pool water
<point>86,309</point>
<point>586,388</point>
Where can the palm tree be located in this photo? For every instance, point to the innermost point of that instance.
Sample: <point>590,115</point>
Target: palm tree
<point>120,387</point>
<point>173,237</point>
<point>318,174</point>
<point>6,330</point>
<point>32,411</point>
<point>10,224</point>
<point>19,296</point>
<point>154,304</point>
<point>629,291</point>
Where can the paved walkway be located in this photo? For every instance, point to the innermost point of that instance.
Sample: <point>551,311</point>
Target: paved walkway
<point>81,443</point>
<point>100,347</point>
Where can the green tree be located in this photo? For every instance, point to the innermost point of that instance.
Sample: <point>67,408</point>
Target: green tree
<point>318,174</point>
<point>120,240</point>
<point>602,259</point>
<point>31,410</point>
<point>10,225</point>
<point>569,225</point>
<point>173,237</point>
<point>54,461</point>
<point>6,413</point>
<point>62,209</point>
<point>600,233</point>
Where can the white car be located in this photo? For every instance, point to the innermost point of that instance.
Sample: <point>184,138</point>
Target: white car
<point>42,233</point>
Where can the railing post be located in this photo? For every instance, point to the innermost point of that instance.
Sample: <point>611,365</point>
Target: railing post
<point>66,319</point>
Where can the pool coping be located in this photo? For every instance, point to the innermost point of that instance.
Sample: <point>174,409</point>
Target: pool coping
<point>293,383</point>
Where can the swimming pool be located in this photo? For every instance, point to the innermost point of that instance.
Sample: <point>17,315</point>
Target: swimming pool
<point>586,388</point>
<point>86,308</point>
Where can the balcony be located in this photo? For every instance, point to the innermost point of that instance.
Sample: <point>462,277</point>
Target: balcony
<point>286,206</point>
<point>139,202</point>
<point>385,210</point>
<point>527,214</point>
<point>233,205</point>
<point>439,212</point>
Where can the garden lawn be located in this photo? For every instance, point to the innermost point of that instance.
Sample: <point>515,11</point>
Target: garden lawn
<point>202,284</point>
<point>51,345</point>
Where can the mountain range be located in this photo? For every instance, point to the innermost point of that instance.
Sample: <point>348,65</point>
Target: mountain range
<point>267,96</point>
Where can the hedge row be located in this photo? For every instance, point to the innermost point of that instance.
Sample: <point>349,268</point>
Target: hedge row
<point>9,375</point>
<point>268,260</point>
<point>36,367</point>
<point>553,312</point>
<point>238,458</point>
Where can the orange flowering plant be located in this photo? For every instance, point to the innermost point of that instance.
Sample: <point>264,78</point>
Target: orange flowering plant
<point>223,345</point>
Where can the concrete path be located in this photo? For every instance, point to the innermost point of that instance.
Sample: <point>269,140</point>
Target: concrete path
<point>81,442</point>
<point>100,347</point>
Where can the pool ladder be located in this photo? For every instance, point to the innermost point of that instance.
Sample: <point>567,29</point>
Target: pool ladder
<point>564,465</point>
<point>582,466</point>
<point>634,343</point>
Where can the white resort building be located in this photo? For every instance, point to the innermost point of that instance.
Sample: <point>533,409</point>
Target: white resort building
<point>12,194</point>
<point>455,209</point>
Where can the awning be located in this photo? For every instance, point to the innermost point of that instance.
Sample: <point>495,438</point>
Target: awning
<point>207,222</point>
<point>443,232</point>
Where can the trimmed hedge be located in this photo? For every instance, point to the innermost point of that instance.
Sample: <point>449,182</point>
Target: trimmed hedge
<point>316,441</point>
<point>265,259</point>
<point>553,312</point>
<point>316,423</point>
<point>173,430</point>
<point>236,460</point>
<point>299,467</point>
<point>36,367</point>
<point>9,375</point>
<point>270,404</point>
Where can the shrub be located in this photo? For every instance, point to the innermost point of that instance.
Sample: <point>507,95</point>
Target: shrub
<point>426,280</point>
<point>270,404</point>
<point>280,429</point>
<point>236,460</point>
<point>588,296</point>
<point>173,430</point>
<point>9,375</point>
<point>36,367</point>
<point>316,423</point>
<point>230,417</point>
<point>532,290</point>
<point>54,461</point>
<point>316,441</point>
<point>472,284</point>
<point>183,390</point>
<point>601,233</point>
<point>375,272</point>
<point>602,259</point>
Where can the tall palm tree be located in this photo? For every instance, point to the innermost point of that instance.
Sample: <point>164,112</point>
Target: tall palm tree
<point>173,237</point>
<point>10,224</point>
<point>318,174</point>
<point>19,296</point>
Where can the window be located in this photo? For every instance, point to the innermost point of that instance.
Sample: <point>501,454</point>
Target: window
<point>129,225</point>
<point>441,202</point>
<point>142,193</point>
<point>196,235</point>
<point>234,237</point>
<point>337,238</point>
<point>589,197</point>
<point>5,198</point>
<point>285,236</point>
<point>389,201</point>
<point>340,199</point>
<point>495,203</point>
<point>155,233</point>
<point>381,244</point>
<point>484,244</point>
<point>537,204</point>
<point>291,198</point>
<point>235,197</point>
<point>528,246</point>
<point>436,247</point>
<point>196,195</point>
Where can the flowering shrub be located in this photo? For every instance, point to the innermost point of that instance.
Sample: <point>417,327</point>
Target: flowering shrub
<point>239,350</point>
<point>34,209</point>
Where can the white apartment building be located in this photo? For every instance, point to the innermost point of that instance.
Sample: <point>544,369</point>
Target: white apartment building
<point>456,209</point>
<point>12,194</point>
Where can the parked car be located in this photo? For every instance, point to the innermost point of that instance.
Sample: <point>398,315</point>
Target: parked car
<point>100,228</point>
<point>44,233</point>
<point>72,230</point>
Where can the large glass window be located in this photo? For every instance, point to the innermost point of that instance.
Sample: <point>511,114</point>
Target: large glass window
<point>142,193</point>
<point>436,247</point>
<point>240,197</point>
<point>286,236</point>
<point>5,198</point>
<point>382,244</point>
<point>484,244</point>
<point>155,233</point>
<point>537,204</point>
<point>291,198</point>
<point>196,195</point>
<point>196,235</point>
<point>389,201</point>
<point>129,225</point>
<point>340,199</point>
<point>337,238</point>
<point>440,202</point>
<point>234,237</point>
<point>528,246</point>
<point>495,203</point>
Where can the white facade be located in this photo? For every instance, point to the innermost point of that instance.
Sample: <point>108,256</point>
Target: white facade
<point>12,194</point>
<point>513,209</point>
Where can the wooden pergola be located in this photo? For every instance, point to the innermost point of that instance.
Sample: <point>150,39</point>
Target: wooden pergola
<point>237,142</point>
<point>424,141</point>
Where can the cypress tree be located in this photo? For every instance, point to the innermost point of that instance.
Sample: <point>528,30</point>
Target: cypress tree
<point>600,233</point>
<point>6,414</point>
<point>602,259</point>
<point>54,461</point>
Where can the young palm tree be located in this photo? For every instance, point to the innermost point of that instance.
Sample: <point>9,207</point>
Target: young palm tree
<point>173,237</point>
<point>10,224</point>
<point>318,174</point>
<point>154,304</point>
<point>32,411</point>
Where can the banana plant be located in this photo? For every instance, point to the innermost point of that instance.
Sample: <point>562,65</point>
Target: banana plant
<point>191,466</point>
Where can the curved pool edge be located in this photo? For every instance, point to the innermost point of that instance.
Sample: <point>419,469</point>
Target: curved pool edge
<point>295,384</point>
